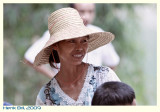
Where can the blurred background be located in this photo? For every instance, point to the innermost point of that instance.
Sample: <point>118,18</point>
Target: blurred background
<point>135,29</point>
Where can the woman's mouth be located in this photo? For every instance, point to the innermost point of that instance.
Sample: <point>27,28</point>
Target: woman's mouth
<point>77,55</point>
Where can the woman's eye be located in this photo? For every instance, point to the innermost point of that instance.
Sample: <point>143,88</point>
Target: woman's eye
<point>71,41</point>
<point>84,41</point>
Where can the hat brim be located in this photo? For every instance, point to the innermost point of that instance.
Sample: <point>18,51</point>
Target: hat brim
<point>97,39</point>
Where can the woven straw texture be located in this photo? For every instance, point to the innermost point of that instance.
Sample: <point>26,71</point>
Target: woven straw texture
<point>66,23</point>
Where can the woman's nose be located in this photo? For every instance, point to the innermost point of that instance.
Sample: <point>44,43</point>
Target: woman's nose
<point>79,47</point>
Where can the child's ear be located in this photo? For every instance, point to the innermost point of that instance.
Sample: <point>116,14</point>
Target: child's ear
<point>134,102</point>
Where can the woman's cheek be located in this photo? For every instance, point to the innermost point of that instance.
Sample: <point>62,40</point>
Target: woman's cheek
<point>85,46</point>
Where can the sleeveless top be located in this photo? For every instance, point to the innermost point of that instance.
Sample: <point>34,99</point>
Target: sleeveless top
<point>52,94</point>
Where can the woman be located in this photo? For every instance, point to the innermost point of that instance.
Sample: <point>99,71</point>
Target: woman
<point>70,40</point>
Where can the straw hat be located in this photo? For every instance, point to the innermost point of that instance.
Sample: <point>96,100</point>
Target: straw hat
<point>66,23</point>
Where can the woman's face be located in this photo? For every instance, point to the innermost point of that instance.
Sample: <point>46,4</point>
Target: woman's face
<point>72,50</point>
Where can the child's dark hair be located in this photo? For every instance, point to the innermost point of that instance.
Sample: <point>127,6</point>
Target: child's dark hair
<point>56,57</point>
<point>113,93</point>
<point>71,5</point>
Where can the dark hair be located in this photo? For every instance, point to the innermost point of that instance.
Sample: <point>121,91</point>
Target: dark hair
<point>56,57</point>
<point>71,5</point>
<point>113,93</point>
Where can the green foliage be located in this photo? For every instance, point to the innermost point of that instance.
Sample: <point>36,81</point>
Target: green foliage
<point>25,22</point>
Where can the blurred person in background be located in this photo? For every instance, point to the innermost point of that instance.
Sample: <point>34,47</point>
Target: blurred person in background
<point>70,40</point>
<point>31,53</point>
<point>105,55</point>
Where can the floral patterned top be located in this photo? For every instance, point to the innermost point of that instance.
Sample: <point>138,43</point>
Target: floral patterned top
<point>52,94</point>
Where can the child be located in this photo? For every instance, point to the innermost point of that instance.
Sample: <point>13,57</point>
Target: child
<point>114,93</point>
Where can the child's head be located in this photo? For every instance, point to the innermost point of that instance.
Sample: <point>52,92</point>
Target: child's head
<point>114,93</point>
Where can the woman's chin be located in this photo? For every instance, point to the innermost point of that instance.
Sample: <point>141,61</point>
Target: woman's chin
<point>77,62</point>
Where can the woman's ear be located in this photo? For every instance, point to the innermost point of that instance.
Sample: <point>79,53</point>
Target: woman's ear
<point>55,46</point>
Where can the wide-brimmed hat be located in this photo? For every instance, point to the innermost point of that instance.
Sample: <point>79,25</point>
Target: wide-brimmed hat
<point>66,23</point>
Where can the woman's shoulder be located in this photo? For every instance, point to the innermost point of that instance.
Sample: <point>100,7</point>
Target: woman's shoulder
<point>44,93</point>
<point>44,89</point>
<point>100,68</point>
<point>104,73</point>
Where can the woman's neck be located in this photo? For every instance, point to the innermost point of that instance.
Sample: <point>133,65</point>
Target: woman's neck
<point>70,72</point>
